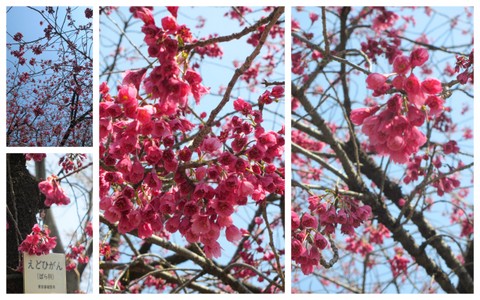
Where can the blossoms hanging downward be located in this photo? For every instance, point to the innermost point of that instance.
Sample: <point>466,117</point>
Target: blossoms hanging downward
<point>394,131</point>
<point>195,207</point>
<point>35,156</point>
<point>53,192</point>
<point>391,133</point>
<point>309,231</point>
<point>165,82</point>
<point>151,181</point>
<point>38,242</point>
<point>399,262</point>
<point>76,255</point>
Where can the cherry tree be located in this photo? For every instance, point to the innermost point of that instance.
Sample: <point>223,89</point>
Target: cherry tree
<point>49,76</point>
<point>50,211</point>
<point>382,151</point>
<point>191,150</point>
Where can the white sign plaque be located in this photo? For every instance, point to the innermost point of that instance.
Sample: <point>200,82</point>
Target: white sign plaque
<point>45,274</point>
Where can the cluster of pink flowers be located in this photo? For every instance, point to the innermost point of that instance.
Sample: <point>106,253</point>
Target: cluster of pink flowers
<point>377,46</point>
<point>53,192</point>
<point>399,262</point>
<point>108,253</point>
<point>72,162</point>
<point>394,131</point>
<point>165,82</point>
<point>35,156</point>
<point>384,20</point>
<point>460,216</point>
<point>194,207</point>
<point>443,183</point>
<point>446,184</point>
<point>465,64</point>
<point>414,168</point>
<point>76,255</point>
<point>150,181</point>
<point>38,242</point>
<point>89,229</point>
<point>363,244</point>
<point>309,230</point>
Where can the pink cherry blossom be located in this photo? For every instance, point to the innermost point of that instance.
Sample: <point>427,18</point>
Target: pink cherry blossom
<point>418,57</point>
<point>375,81</point>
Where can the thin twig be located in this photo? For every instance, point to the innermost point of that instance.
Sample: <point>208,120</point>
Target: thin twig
<point>272,18</point>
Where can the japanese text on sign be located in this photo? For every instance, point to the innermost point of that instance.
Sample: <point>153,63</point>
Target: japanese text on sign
<point>45,273</point>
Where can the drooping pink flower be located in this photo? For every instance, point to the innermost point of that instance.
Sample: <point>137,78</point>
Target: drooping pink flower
<point>242,106</point>
<point>415,116</point>
<point>295,220</point>
<point>398,263</point>
<point>398,81</point>
<point>144,114</point>
<point>375,81</point>
<point>432,86</point>
<point>53,192</point>
<point>211,145</point>
<point>196,87</point>
<point>169,24</point>
<point>313,17</point>
<point>360,114</point>
<point>127,94</point>
<point>418,57</point>
<point>144,13</point>
<point>297,248</point>
<point>309,221</point>
<point>413,89</point>
<point>89,229</point>
<point>435,104</point>
<point>137,173</point>
<point>364,212</point>
<point>342,217</point>
<point>173,10</point>
<point>451,147</point>
<point>104,88</point>
<point>239,143</point>
<point>401,65</point>
<point>277,91</point>
<point>122,205</point>
<point>385,20</point>
<point>134,77</point>
<point>245,188</point>
<point>212,249</point>
<point>145,230</point>
<point>200,224</point>
<point>233,234</point>
<point>38,242</point>
<point>223,208</point>
<point>268,139</point>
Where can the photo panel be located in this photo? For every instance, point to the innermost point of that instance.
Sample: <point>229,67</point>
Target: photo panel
<point>49,236</point>
<point>192,150</point>
<point>382,150</point>
<point>49,80</point>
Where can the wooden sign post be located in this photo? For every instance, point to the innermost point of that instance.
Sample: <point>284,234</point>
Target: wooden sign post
<point>45,274</point>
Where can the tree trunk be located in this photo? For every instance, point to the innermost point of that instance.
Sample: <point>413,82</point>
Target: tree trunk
<point>23,202</point>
